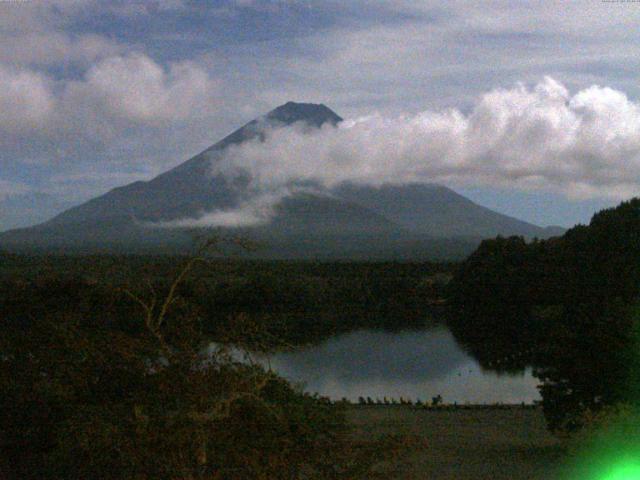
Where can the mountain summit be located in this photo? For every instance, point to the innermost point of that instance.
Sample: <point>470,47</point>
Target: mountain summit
<point>188,189</point>
<point>373,221</point>
<point>311,113</point>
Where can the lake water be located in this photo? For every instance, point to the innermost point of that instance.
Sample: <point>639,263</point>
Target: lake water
<point>410,364</point>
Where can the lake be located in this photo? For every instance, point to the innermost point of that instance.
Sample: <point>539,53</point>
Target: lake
<point>410,364</point>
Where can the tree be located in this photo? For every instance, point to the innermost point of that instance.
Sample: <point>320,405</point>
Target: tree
<point>563,306</point>
<point>83,397</point>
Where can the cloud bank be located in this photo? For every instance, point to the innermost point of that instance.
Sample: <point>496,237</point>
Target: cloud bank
<point>583,145</point>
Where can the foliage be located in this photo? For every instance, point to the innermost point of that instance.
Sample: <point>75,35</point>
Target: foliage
<point>296,302</point>
<point>492,294</point>
<point>85,396</point>
<point>565,306</point>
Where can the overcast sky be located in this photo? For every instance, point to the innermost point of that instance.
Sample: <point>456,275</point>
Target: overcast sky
<point>96,94</point>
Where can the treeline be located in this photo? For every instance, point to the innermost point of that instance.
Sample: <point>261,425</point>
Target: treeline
<point>296,302</point>
<point>566,306</point>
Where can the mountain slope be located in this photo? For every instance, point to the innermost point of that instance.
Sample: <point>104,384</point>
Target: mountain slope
<point>437,211</point>
<point>392,219</point>
<point>189,188</point>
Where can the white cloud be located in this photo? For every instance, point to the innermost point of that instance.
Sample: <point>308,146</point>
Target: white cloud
<point>136,88</point>
<point>585,145</point>
<point>95,105</point>
<point>124,105</point>
<point>26,100</point>
<point>257,210</point>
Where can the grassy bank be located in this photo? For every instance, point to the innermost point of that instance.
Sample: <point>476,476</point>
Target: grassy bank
<point>474,443</point>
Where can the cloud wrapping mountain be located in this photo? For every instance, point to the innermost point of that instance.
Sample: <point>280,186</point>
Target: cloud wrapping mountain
<point>298,219</point>
<point>257,210</point>
<point>541,138</point>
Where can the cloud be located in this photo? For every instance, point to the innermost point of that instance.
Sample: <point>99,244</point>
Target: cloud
<point>541,138</point>
<point>132,88</point>
<point>26,100</point>
<point>445,54</point>
<point>9,189</point>
<point>118,102</point>
<point>257,210</point>
<point>53,49</point>
<point>136,88</point>
<point>43,34</point>
<point>125,116</point>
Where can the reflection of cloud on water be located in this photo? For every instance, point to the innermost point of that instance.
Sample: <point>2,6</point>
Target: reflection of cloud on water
<point>415,364</point>
<point>370,355</point>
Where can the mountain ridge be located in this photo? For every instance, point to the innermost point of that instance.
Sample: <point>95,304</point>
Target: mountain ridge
<point>414,212</point>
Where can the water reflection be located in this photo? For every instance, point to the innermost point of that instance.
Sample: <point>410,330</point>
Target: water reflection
<point>412,364</point>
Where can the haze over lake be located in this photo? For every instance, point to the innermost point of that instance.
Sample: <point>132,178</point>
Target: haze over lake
<point>409,364</point>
